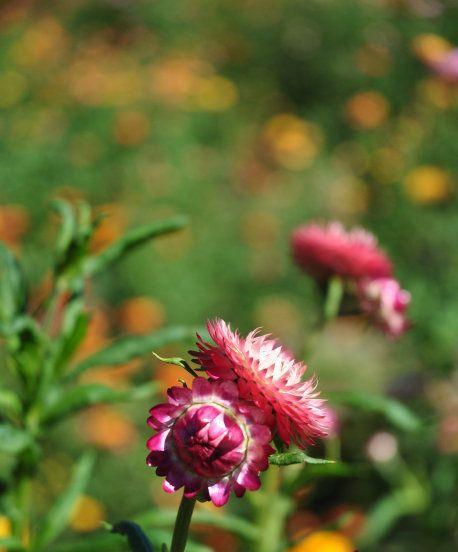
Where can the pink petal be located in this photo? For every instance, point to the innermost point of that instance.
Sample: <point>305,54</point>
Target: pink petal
<point>157,442</point>
<point>219,492</point>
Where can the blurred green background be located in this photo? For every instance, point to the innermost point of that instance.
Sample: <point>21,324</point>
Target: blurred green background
<point>250,118</point>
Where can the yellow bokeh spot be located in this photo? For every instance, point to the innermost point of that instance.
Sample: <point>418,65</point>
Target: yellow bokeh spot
<point>293,142</point>
<point>87,514</point>
<point>215,94</point>
<point>324,541</point>
<point>430,47</point>
<point>367,110</point>
<point>436,92</point>
<point>5,530</point>
<point>428,184</point>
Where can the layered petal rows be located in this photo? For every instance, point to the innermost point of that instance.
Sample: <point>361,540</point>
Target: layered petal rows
<point>268,376</point>
<point>208,441</point>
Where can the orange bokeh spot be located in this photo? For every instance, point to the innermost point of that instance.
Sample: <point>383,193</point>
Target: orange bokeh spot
<point>107,428</point>
<point>141,315</point>
<point>324,541</point>
<point>14,221</point>
<point>367,110</point>
<point>131,128</point>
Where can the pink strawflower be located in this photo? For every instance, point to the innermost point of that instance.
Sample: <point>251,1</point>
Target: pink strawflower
<point>327,250</point>
<point>386,303</point>
<point>332,421</point>
<point>209,441</point>
<point>447,66</point>
<point>269,377</point>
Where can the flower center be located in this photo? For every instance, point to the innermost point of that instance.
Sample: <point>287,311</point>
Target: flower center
<point>209,440</point>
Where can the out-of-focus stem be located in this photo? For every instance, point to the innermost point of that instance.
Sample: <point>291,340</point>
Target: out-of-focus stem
<point>180,532</point>
<point>272,512</point>
<point>333,298</point>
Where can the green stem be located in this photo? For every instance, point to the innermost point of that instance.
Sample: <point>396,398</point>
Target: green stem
<point>180,532</point>
<point>333,298</point>
<point>273,509</point>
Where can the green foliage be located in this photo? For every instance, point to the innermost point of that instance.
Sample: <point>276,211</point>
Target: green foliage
<point>138,541</point>
<point>296,457</point>
<point>39,352</point>
<point>58,516</point>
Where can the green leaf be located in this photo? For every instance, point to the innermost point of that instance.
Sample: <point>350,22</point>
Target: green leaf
<point>13,294</point>
<point>177,362</point>
<point>138,541</point>
<point>58,516</point>
<point>129,347</point>
<point>11,544</point>
<point>10,405</point>
<point>296,457</point>
<point>130,241</point>
<point>13,440</point>
<point>394,411</point>
<point>70,401</point>
<point>67,230</point>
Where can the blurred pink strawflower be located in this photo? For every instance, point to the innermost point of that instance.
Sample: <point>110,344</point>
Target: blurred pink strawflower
<point>332,421</point>
<point>447,66</point>
<point>329,250</point>
<point>208,441</point>
<point>386,303</point>
<point>268,376</point>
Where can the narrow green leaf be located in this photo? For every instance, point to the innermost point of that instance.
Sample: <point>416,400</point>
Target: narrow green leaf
<point>58,516</point>
<point>177,362</point>
<point>13,440</point>
<point>296,457</point>
<point>138,541</point>
<point>129,347</point>
<point>394,411</point>
<point>12,287</point>
<point>70,401</point>
<point>130,241</point>
<point>67,230</point>
<point>10,405</point>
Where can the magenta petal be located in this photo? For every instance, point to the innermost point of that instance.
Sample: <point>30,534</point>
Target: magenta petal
<point>219,492</point>
<point>201,388</point>
<point>260,433</point>
<point>179,395</point>
<point>249,479</point>
<point>161,415</point>
<point>157,442</point>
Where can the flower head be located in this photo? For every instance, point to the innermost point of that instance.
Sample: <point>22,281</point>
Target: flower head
<point>327,250</point>
<point>447,66</point>
<point>385,301</point>
<point>268,376</point>
<point>208,441</point>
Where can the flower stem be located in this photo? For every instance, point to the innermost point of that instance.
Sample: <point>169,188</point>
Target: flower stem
<point>180,532</point>
<point>333,298</point>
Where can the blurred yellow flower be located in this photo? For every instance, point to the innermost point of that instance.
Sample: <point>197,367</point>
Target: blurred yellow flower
<point>430,47</point>
<point>87,514</point>
<point>6,530</point>
<point>215,93</point>
<point>437,92</point>
<point>141,315</point>
<point>292,142</point>
<point>428,184</point>
<point>13,86</point>
<point>367,110</point>
<point>324,541</point>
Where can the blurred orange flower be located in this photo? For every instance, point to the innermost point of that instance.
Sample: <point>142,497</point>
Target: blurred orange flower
<point>87,514</point>
<point>141,315</point>
<point>14,221</point>
<point>324,541</point>
<point>44,42</point>
<point>292,142</point>
<point>111,227</point>
<point>131,128</point>
<point>107,428</point>
<point>428,184</point>
<point>97,333</point>
<point>367,110</point>
<point>168,375</point>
